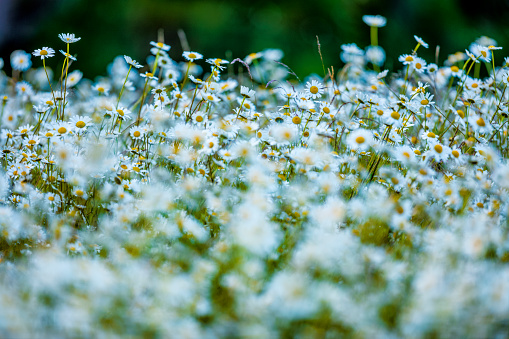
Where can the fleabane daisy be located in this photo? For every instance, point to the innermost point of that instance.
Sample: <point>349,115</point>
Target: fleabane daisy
<point>44,52</point>
<point>192,56</point>
<point>314,89</point>
<point>68,38</point>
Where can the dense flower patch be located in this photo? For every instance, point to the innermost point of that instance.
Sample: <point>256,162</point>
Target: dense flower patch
<point>228,198</point>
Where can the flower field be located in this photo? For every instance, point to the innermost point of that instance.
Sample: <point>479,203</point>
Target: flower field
<point>195,197</point>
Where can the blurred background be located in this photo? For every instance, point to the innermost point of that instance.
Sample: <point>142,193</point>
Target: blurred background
<point>221,28</point>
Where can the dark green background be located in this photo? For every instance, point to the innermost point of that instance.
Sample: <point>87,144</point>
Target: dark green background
<point>113,27</point>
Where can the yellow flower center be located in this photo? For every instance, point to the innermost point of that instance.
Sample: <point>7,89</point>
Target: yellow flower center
<point>191,56</point>
<point>456,153</point>
<point>417,152</point>
<point>80,124</point>
<point>395,115</point>
<point>210,97</point>
<point>136,134</point>
<point>62,130</point>
<point>409,58</point>
<point>424,102</point>
<point>24,130</point>
<point>120,112</point>
<point>32,142</point>
<point>461,114</point>
<point>406,155</point>
<point>79,193</point>
<point>326,110</point>
<point>395,181</point>
<point>481,122</point>
<point>418,65</point>
<point>360,139</point>
<point>43,52</point>
<point>313,89</point>
<point>475,85</point>
<point>380,112</point>
<point>431,135</point>
<point>484,53</point>
<point>160,45</point>
<point>438,148</point>
<point>199,118</point>
<point>296,120</point>
<point>454,69</point>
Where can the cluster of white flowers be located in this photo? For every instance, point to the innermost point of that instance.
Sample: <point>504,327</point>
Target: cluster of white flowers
<point>177,199</point>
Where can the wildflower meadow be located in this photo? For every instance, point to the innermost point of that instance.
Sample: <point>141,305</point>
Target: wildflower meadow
<point>196,197</point>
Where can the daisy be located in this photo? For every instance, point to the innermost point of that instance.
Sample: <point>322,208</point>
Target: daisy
<point>478,124</point>
<point>24,88</point>
<point>472,56</point>
<point>80,122</point>
<point>68,38</point>
<point>404,154</point>
<point>432,68</point>
<point>426,99</point>
<point>438,152</point>
<point>192,56</point>
<point>67,55</point>
<point>132,62</point>
<point>73,78</point>
<point>102,88</point>
<point>375,55</point>
<point>31,140</point>
<point>420,41</point>
<point>374,20</point>
<point>209,97</point>
<point>406,59</point>
<point>61,127</point>
<point>148,75</point>
<point>136,132</point>
<point>44,52</point>
<point>20,60</point>
<point>217,63</point>
<point>314,89</point>
<point>419,64</point>
<point>246,92</point>
<point>253,56</point>
<point>160,46</point>
<point>360,139</point>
